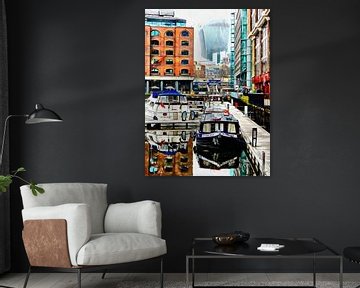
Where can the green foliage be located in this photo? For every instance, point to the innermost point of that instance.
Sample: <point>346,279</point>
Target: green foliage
<point>36,189</point>
<point>6,180</point>
<point>21,169</point>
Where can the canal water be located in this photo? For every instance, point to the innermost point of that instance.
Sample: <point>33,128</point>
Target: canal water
<point>172,151</point>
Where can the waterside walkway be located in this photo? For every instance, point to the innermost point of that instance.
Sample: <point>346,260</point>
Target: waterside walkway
<point>259,154</point>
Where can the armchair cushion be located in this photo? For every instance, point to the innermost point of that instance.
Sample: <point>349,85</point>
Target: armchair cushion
<point>78,221</point>
<point>113,248</point>
<point>138,217</point>
<point>93,194</point>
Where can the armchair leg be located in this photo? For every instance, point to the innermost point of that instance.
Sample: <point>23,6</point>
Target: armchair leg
<point>79,277</point>
<point>103,275</point>
<point>27,277</point>
<point>161,273</point>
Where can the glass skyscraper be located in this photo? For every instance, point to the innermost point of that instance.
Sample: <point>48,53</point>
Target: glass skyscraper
<point>214,38</point>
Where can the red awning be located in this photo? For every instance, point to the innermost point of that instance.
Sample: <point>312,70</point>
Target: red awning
<point>261,78</point>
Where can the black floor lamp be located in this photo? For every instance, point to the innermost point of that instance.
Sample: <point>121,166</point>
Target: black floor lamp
<point>39,115</point>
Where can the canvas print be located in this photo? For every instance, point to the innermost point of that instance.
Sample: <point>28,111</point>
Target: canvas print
<point>207,92</point>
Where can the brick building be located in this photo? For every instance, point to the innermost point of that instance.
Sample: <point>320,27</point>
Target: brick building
<point>259,33</point>
<point>169,52</point>
<point>199,70</point>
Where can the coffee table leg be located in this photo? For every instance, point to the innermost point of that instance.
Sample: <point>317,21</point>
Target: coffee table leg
<point>314,271</point>
<point>187,272</point>
<point>188,260</point>
<point>341,273</point>
<point>193,272</point>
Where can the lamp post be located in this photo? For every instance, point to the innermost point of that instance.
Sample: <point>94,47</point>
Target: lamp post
<point>39,115</point>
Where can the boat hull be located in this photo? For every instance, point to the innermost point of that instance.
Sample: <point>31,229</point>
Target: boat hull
<point>215,159</point>
<point>220,141</point>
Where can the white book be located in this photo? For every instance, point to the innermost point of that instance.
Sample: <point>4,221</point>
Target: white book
<point>270,247</point>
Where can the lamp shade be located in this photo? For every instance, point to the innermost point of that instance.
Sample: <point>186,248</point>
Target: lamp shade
<point>42,115</point>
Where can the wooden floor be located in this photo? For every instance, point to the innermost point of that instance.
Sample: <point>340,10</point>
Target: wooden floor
<point>120,280</point>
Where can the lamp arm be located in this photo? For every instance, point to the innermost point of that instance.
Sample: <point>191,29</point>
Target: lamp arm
<point>4,134</point>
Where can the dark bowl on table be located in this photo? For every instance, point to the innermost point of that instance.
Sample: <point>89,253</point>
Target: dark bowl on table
<point>224,239</point>
<point>231,238</point>
<point>242,236</point>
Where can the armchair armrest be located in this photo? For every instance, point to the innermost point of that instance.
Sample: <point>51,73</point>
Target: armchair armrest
<point>138,217</point>
<point>77,219</point>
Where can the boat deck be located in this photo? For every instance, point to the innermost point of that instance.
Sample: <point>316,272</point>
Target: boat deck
<point>172,123</point>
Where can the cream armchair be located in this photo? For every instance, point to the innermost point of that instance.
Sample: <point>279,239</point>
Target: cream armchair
<point>72,228</point>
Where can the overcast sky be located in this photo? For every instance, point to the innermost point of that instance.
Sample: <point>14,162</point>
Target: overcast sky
<point>197,17</point>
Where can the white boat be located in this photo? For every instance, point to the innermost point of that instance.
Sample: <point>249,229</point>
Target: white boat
<point>166,106</point>
<point>196,103</point>
<point>213,99</point>
<point>168,141</point>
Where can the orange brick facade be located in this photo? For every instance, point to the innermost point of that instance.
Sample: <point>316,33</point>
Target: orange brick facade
<point>160,43</point>
<point>147,50</point>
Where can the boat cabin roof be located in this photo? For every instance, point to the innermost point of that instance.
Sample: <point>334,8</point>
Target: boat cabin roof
<point>167,92</point>
<point>218,117</point>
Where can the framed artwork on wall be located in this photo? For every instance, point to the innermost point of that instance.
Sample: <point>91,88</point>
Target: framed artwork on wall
<point>207,92</point>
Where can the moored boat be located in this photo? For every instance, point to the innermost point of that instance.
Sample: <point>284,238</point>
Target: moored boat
<point>168,105</point>
<point>219,130</point>
<point>196,103</point>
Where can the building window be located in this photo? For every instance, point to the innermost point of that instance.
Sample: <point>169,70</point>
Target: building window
<point>154,71</point>
<point>257,56</point>
<point>169,61</point>
<point>264,43</point>
<point>154,33</point>
<point>169,43</point>
<point>253,18</point>
<point>184,72</point>
<point>155,51</point>
<point>185,52</point>
<point>184,43</point>
<point>169,33</point>
<point>154,42</point>
<point>155,61</point>
<point>184,62</point>
<point>185,33</point>
<point>169,52</point>
<point>169,71</point>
